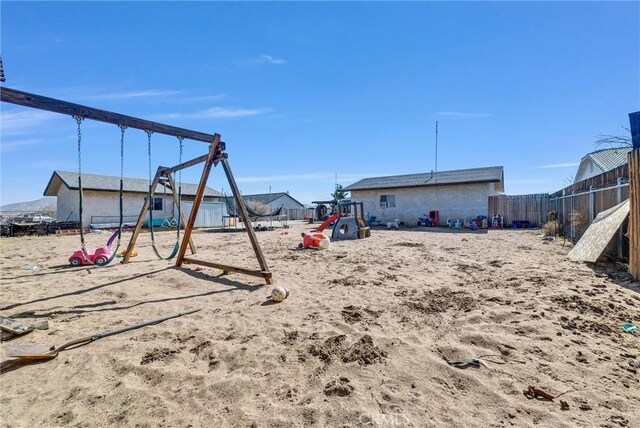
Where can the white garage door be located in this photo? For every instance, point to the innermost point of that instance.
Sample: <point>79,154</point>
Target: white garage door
<point>209,214</point>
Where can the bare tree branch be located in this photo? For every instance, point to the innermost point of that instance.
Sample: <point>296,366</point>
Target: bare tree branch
<point>615,140</point>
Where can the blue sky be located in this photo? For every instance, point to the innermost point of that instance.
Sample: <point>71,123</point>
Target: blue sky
<point>304,91</point>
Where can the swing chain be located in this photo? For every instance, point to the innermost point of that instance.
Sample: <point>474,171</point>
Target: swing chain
<point>122,129</point>
<point>79,120</point>
<point>149,133</point>
<point>181,141</point>
<point>179,219</point>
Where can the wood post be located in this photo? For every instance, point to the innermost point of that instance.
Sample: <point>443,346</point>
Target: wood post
<point>634,197</point>
<point>634,213</point>
<point>245,217</point>
<point>145,207</point>
<point>619,183</point>
<point>143,212</point>
<point>198,200</point>
<point>183,221</point>
<point>215,156</point>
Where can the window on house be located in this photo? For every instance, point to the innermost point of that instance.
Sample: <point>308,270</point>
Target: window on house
<point>157,204</point>
<point>387,201</point>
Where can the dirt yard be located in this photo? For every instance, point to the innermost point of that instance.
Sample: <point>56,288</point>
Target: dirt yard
<point>362,341</point>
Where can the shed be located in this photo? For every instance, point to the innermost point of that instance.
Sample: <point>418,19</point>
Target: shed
<point>102,193</point>
<point>458,194</point>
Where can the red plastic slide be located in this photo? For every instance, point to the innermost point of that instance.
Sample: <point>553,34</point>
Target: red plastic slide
<point>327,222</point>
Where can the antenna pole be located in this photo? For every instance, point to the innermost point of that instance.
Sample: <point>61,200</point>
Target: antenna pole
<point>270,215</point>
<point>436,150</point>
<point>436,189</point>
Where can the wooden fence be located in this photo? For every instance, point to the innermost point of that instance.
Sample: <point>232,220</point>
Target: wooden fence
<point>606,179</point>
<point>520,208</point>
<point>634,216</point>
<point>576,206</point>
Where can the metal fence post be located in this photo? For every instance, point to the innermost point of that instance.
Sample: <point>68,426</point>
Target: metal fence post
<point>592,203</point>
<point>619,182</point>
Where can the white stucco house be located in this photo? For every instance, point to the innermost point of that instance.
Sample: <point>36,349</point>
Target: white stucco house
<point>101,200</point>
<point>600,161</point>
<point>459,194</point>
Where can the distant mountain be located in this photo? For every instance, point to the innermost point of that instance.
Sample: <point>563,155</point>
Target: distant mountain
<point>42,204</point>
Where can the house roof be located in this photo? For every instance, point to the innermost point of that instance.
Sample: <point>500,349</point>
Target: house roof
<point>492,174</point>
<point>112,184</point>
<point>605,159</point>
<point>266,198</point>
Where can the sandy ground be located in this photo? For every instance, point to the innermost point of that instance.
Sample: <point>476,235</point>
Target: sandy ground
<point>363,339</point>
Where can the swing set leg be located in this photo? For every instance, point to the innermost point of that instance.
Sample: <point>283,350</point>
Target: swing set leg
<point>145,207</point>
<point>211,159</point>
<point>143,212</point>
<point>183,220</point>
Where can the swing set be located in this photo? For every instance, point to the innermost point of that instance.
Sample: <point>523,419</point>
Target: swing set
<point>103,255</point>
<point>164,176</point>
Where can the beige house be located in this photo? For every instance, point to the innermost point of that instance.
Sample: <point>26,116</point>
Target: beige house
<point>600,161</point>
<point>461,194</point>
<point>101,200</point>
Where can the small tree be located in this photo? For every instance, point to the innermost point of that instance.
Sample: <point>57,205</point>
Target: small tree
<point>338,195</point>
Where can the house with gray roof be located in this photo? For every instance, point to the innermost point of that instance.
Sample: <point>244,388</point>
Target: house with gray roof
<point>460,194</point>
<point>601,161</point>
<point>275,200</point>
<point>101,200</point>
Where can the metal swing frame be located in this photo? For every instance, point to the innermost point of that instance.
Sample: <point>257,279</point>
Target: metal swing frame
<point>216,155</point>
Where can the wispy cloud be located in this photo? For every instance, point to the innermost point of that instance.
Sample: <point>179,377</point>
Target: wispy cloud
<point>51,164</point>
<point>8,146</point>
<point>268,59</point>
<point>141,94</point>
<point>324,177</point>
<point>560,165</point>
<point>200,98</point>
<point>216,113</point>
<point>263,59</point>
<point>463,115</point>
<point>107,92</point>
<point>528,181</point>
<point>22,122</point>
